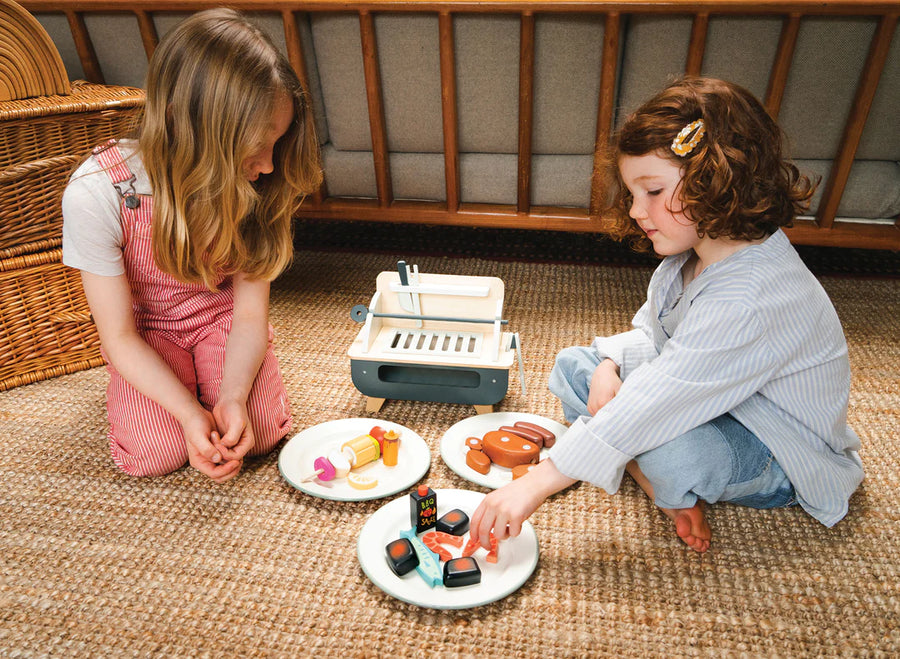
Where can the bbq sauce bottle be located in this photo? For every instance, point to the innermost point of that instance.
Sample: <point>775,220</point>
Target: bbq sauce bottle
<point>423,508</point>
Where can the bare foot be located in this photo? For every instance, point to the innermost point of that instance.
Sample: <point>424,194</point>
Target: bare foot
<point>690,523</point>
<point>691,526</point>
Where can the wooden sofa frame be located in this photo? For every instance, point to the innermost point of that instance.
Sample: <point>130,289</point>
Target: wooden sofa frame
<point>821,230</point>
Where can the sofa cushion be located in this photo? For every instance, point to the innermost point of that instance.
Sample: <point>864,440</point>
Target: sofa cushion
<point>824,75</point>
<point>488,178</point>
<point>566,87</point>
<point>872,191</point>
<point>117,43</point>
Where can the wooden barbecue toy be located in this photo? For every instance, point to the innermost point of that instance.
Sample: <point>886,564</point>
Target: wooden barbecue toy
<point>435,338</point>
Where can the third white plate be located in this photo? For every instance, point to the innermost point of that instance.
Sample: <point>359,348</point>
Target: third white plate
<point>453,444</point>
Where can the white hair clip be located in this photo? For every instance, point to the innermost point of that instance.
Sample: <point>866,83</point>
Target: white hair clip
<point>681,145</point>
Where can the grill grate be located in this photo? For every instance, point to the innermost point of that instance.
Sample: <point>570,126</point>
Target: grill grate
<point>435,342</point>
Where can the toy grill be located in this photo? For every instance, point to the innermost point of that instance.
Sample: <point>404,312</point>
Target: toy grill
<point>435,338</point>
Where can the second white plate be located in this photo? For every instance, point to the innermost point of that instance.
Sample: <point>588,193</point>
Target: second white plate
<point>296,460</point>
<point>453,444</point>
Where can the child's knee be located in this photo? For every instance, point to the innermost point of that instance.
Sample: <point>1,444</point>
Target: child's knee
<point>695,460</point>
<point>147,462</point>
<point>575,358</point>
<point>272,420</point>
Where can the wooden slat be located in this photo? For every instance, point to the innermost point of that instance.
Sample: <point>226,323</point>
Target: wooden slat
<point>758,7</point>
<point>781,67</point>
<point>448,110</point>
<point>85,48</point>
<point>605,106</point>
<point>485,215</point>
<point>845,234</point>
<point>856,121</point>
<point>298,63</point>
<point>149,37</point>
<point>376,109</point>
<point>697,45</point>
<point>526,109</point>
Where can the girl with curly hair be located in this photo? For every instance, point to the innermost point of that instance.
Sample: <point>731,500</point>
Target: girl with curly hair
<point>734,383</point>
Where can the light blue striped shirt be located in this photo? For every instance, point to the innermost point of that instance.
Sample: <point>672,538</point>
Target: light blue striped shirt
<point>754,335</point>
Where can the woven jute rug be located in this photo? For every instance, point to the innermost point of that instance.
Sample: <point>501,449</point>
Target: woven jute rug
<point>95,563</point>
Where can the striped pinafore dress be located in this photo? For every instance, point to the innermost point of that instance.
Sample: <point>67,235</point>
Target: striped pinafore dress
<point>187,324</point>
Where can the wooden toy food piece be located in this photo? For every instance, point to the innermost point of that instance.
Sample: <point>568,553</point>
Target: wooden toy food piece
<point>434,539</point>
<point>322,469</point>
<point>401,556</point>
<point>361,481</point>
<point>456,522</point>
<point>429,567</point>
<point>507,449</point>
<point>531,436</point>
<point>361,450</point>
<point>548,437</point>
<point>472,546</point>
<point>377,433</point>
<point>340,463</point>
<point>520,470</point>
<point>473,443</point>
<point>390,448</point>
<point>423,508</point>
<point>478,461</point>
<point>462,571</point>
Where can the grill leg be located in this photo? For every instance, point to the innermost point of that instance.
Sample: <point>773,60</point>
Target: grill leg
<point>374,404</point>
<point>484,409</point>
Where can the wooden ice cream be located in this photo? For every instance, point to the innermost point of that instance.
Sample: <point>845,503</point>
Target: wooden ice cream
<point>436,338</point>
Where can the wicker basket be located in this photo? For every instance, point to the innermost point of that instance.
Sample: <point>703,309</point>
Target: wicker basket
<point>32,212</point>
<point>41,141</point>
<point>45,324</point>
<point>50,126</point>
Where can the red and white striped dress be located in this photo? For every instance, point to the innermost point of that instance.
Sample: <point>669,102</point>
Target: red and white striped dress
<point>187,324</point>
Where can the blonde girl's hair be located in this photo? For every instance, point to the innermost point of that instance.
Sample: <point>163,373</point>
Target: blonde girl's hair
<point>736,181</point>
<point>212,86</point>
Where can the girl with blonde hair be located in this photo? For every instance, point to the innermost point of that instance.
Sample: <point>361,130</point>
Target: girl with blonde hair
<point>179,233</point>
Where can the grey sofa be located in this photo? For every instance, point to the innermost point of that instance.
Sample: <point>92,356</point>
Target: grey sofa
<point>807,60</point>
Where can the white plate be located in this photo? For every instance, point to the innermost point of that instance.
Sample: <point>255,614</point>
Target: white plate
<point>517,557</point>
<point>296,460</point>
<point>453,444</point>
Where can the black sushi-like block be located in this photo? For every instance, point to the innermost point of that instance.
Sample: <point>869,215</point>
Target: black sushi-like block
<point>461,572</point>
<point>456,522</point>
<point>401,556</point>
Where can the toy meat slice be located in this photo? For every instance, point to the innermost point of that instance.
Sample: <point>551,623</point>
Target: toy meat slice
<point>507,449</point>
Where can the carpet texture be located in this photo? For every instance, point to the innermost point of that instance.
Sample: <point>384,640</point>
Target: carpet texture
<point>95,563</point>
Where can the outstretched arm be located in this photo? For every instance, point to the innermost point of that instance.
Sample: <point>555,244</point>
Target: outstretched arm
<point>504,510</point>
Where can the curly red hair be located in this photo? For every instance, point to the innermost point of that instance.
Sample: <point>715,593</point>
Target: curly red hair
<point>736,182</point>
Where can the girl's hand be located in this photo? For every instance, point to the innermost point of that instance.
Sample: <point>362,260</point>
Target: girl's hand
<point>605,384</point>
<point>200,438</point>
<point>235,429</point>
<point>504,510</point>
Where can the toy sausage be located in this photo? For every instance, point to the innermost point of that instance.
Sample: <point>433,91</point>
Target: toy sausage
<point>549,437</point>
<point>525,433</point>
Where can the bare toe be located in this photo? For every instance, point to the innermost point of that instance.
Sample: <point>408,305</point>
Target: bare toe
<point>691,527</point>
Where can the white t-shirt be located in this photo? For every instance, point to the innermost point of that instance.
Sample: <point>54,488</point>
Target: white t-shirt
<point>92,229</point>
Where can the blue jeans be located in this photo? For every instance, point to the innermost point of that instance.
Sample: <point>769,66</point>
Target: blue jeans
<point>720,460</point>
